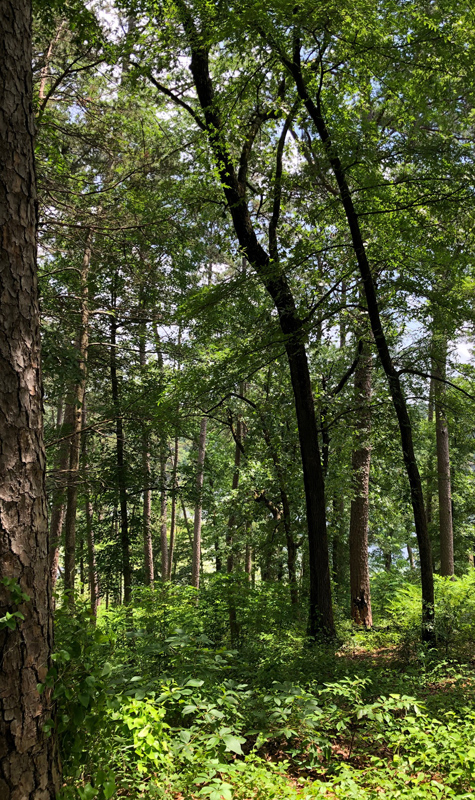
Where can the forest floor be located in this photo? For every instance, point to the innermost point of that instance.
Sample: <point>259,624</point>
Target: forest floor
<point>151,706</point>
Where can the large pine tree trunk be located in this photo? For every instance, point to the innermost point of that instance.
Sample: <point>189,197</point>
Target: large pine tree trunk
<point>196,560</point>
<point>29,767</point>
<point>75,443</point>
<point>444,484</point>
<point>361,462</point>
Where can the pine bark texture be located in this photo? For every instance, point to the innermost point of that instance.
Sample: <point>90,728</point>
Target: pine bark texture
<point>359,513</point>
<point>29,767</point>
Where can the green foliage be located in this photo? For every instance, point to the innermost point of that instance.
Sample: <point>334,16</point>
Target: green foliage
<point>150,706</point>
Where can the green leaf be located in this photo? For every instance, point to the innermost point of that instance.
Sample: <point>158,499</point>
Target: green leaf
<point>233,743</point>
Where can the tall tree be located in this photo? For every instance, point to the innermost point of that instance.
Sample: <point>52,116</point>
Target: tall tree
<point>29,767</point>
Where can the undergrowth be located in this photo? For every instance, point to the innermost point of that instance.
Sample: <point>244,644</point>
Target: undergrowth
<point>153,702</point>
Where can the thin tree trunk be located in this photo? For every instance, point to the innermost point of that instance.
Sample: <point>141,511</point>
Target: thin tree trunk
<point>29,764</point>
<point>58,506</point>
<point>121,468</point>
<point>361,462</point>
<point>395,388</point>
<point>93,578</point>
<point>195,569</point>
<point>75,445</point>
<point>147,492</point>
<point>248,555</point>
<point>443,464</point>
<point>163,511</point>
<point>410,555</point>
<point>171,546</point>
<point>235,483</point>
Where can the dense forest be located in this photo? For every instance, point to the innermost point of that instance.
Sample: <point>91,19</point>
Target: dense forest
<point>237,387</point>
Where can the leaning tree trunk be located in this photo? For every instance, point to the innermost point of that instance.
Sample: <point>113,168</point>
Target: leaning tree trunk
<point>266,265</point>
<point>75,445</point>
<point>444,484</point>
<point>314,110</point>
<point>361,462</point>
<point>29,766</point>
<point>196,561</point>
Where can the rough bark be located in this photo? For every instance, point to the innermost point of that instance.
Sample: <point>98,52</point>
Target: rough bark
<point>196,560</point>
<point>444,485</point>
<point>29,767</point>
<point>359,513</point>
<point>275,282</point>
<point>397,394</point>
<point>75,441</point>
<point>120,459</point>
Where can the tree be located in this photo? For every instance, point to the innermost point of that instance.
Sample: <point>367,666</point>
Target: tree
<point>29,767</point>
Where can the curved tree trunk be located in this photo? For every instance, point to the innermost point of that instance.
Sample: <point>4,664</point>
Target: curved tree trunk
<point>361,462</point>
<point>275,282</point>
<point>29,766</point>
<point>397,395</point>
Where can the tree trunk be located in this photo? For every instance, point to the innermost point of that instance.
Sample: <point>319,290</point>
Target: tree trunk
<point>163,511</point>
<point>360,462</point>
<point>58,506</point>
<point>93,578</point>
<point>29,765</point>
<point>274,280</point>
<point>75,442</point>
<point>195,569</point>
<point>443,464</point>
<point>171,546</point>
<point>121,468</point>
<point>394,384</point>
<point>230,543</point>
<point>147,492</point>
